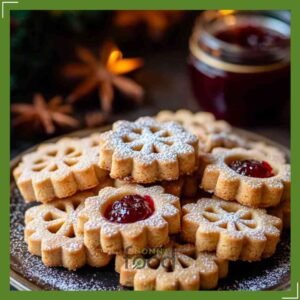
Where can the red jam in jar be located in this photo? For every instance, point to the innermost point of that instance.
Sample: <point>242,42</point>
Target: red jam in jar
<point>252,168</point>
<point>249,36</point>
<point>240,66</point>
<point>130,209</point>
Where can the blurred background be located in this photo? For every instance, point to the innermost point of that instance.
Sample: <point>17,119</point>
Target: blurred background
<point>73,70</point>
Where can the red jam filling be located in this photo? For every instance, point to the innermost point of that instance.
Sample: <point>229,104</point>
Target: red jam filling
<point>129,209</point>
<point>252,37</point>
<point>252,168</point>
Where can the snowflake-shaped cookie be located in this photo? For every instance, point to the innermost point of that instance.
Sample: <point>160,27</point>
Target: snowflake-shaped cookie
<point>282,211</point>
<point>227,184</point>
<point>114,237</point>
<point>146,151</point>
<point>232,230</point>
<point>51,232</point>
<point>175,267</point>
<point>184,186</point>
<point>60,169</point>
<point>212,133</point>
<point>271,152</point>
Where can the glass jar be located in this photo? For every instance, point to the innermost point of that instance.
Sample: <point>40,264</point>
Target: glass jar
<point>240,65</point>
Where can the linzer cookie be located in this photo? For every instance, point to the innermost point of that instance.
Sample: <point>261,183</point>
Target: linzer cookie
<point>175,267</point>
<point>51,232</point>
<point>234,231</point>
<point>59,170</point>
<point>248,177</point>
<point>212,133</point>
<point>129,218</point>
<point>146,151</point>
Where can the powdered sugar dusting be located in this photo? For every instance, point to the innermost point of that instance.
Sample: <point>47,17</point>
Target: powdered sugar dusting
<point>242,276</point>
<point>147,140</point>
<point>235,219</point>
<point>55,162</point>
<point>175,265</point>
<point>32,269</point>
<point>214,133</point>
<point>211,132</point>
<point>164,208</point>
<point>242,188</point>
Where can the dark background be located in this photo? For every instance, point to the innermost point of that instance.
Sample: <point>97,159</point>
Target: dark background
<point>43,41</point>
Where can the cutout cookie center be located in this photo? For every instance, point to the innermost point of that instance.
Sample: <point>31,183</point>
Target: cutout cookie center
<point>230,217</point>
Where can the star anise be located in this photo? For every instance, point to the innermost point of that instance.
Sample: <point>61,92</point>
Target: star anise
<point>104,73</point>
<point>156,22</point>
<point>44,114</point>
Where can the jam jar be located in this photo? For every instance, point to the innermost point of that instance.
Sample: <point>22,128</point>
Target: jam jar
<point>240,65</point>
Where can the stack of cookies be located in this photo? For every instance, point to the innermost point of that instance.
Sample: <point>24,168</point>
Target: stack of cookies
<point>172,199</point>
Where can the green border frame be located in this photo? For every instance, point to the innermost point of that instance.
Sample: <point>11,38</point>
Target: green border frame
<point>292,5</point>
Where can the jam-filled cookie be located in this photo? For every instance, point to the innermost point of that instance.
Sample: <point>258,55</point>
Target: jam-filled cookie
<point>246,176</point>
<point>129,218</point>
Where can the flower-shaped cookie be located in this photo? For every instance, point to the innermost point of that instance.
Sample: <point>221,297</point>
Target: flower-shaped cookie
<point>212,133</point>
<point>282,211</point>
<point>129,218</point>
<point>51,232</point>
<point>273,153</point>
<point>232,230</point>
<point>226,176</point>
<point>147,151</point>
<point>186,186</point>
<point>60,169</point>
<point>175,267</point>
<point>173,187</point>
